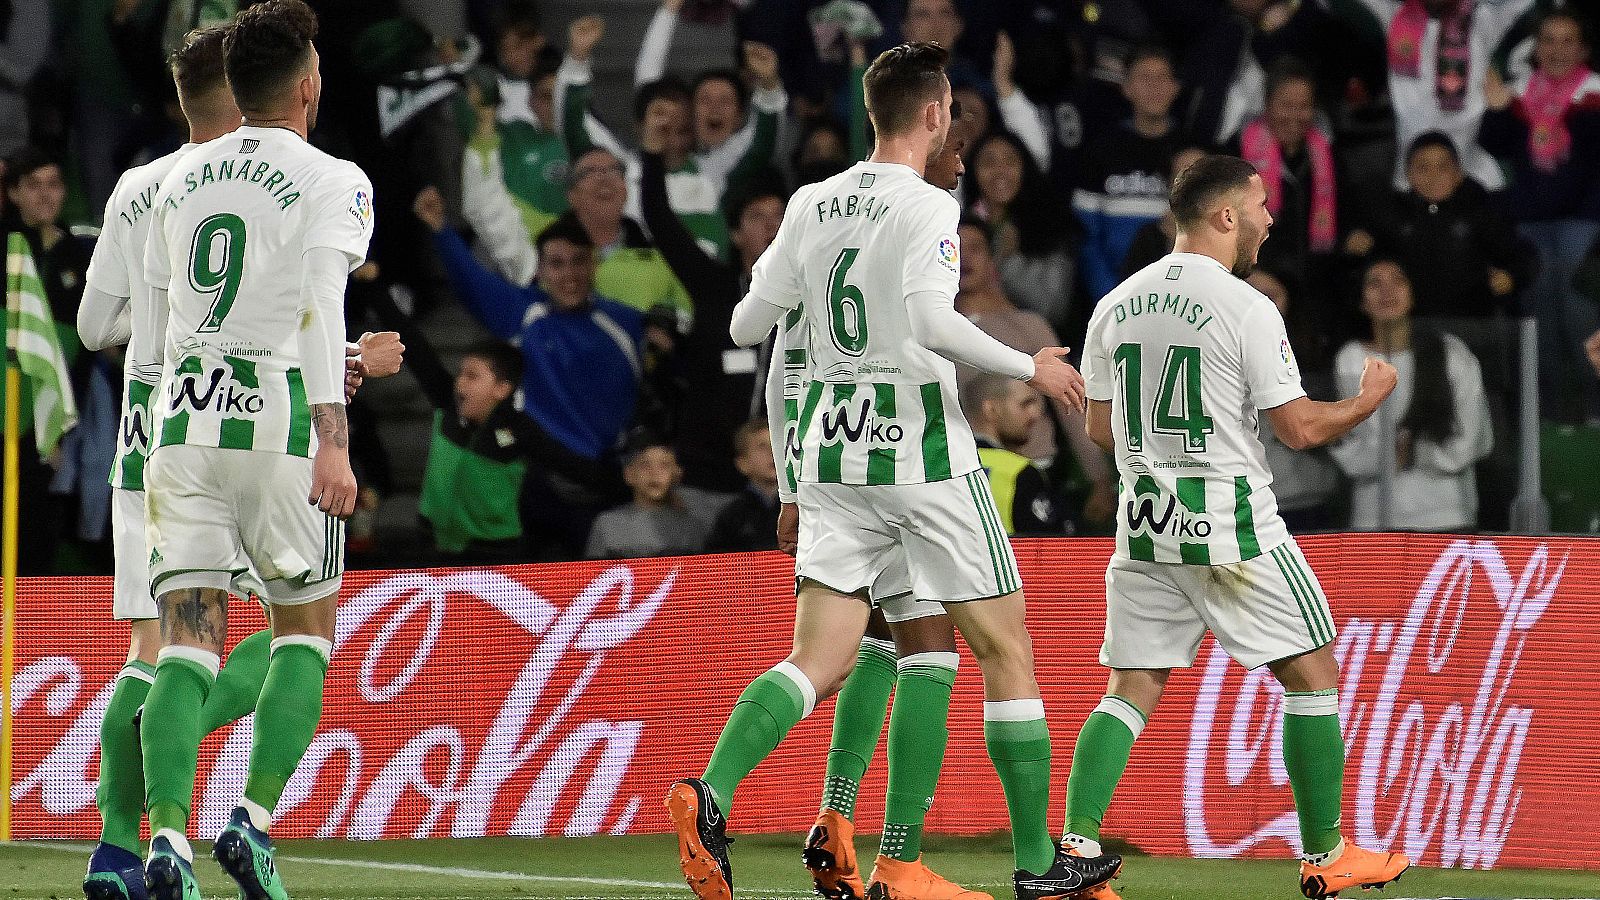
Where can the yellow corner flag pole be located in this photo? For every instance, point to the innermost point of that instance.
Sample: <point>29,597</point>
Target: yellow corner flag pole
<point>8,578</point>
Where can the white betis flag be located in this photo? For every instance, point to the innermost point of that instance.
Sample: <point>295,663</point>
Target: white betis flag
<point>31,338</point>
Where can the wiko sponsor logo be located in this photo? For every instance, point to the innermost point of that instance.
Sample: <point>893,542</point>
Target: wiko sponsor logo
<point>1434,775</point>
<point>230,400</point>
<point>1143,518</point>
<point>856,419</point>
<point>356,777</point>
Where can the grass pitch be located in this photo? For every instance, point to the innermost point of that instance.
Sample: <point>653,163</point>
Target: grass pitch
<point>765,866</point>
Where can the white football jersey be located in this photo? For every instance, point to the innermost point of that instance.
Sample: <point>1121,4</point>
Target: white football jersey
<point>1187,355</point>
<point>232,224</point>
<point>878,408</point>
<point>117,268</point>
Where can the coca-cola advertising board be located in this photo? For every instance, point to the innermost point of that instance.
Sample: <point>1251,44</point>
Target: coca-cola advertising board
<point>562,699</point>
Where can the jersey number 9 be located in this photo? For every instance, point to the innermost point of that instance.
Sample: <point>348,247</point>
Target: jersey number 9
<point>214,272</point>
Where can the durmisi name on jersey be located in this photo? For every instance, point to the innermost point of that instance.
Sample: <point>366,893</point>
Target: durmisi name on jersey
<point>1175,305</point>
<point>259,172</point>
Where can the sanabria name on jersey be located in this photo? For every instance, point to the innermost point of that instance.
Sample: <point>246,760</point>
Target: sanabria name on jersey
<point>549,700</point>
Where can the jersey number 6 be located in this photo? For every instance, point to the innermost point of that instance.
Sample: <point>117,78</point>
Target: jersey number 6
<point>214,272</point>
<point>847,309</point>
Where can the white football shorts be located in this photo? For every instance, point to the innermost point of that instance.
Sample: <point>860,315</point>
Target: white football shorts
<point>130,594</point>
<point>225,518</point>
<point>1260,610</point>
<point>892,594</point>
<point>946,533</point>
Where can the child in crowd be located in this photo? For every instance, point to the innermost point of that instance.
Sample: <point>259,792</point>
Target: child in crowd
<point>658,522</point>
<point>481,453</point>
<point>750,520</point>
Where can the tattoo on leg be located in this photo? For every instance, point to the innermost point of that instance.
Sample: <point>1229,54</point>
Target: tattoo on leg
<point>194,615</point>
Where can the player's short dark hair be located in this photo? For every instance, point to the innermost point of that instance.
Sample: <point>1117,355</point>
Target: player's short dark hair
<point>266,50</point>
<point>518,17</point>
<point>1209,178</point>
<point>1572,15</point>
<point>1433,139</point>
<point>502,359</point>
<point>197,62</point>
<point>728,75</point>
<point>567,228</point>
<point>667,88</point>
<point>901,80</point>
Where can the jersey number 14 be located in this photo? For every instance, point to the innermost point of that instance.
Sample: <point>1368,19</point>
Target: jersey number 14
<point>217,270</point>
<point>1179,408</point>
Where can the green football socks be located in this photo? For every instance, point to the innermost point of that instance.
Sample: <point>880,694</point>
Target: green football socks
<point>918,734</point>
<point>238,685</point>
<point>120,794</point>
<point>170,735</point>
<point>1313,755</point>
<point>1019,747</point>
<point>1098,759</point>
<point>857,724</point>
<point>764,713</point>
<point>286,718</point>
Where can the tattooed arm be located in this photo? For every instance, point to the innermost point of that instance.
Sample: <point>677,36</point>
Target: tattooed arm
<point>333,484</point>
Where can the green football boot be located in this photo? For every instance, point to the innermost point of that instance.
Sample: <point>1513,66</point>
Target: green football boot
<point>168,876</point>
<point>245,853</point>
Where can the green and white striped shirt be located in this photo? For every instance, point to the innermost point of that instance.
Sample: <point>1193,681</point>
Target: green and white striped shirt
<point>117,270</point>
<point>1187,355</point>
<point>232,224</point>
<point>874,407</point>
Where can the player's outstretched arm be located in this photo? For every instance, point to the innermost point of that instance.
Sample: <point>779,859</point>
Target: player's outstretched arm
<point>936,325</point>
<point>1304,423</point>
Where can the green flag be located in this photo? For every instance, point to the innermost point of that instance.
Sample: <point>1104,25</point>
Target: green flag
<point>33,344</point>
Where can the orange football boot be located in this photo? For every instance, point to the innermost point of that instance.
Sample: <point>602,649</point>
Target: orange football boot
<point>1353,868</point>
<point>894,879</point>
<point>830,854</point>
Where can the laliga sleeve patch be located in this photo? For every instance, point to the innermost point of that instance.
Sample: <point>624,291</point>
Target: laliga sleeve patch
<point>949,253</point>
<point>1287,354</point>
<point>361,208</point>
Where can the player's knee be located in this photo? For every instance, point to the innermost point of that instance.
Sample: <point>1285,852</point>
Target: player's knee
<point>826,673</point>
<point>996,656</point>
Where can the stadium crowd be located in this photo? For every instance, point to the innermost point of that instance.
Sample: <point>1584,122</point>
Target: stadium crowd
<point>562,269</point>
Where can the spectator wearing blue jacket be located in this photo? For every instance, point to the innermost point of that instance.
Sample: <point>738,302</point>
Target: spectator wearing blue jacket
<point>580,350</point>
<point>1126,171</point>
